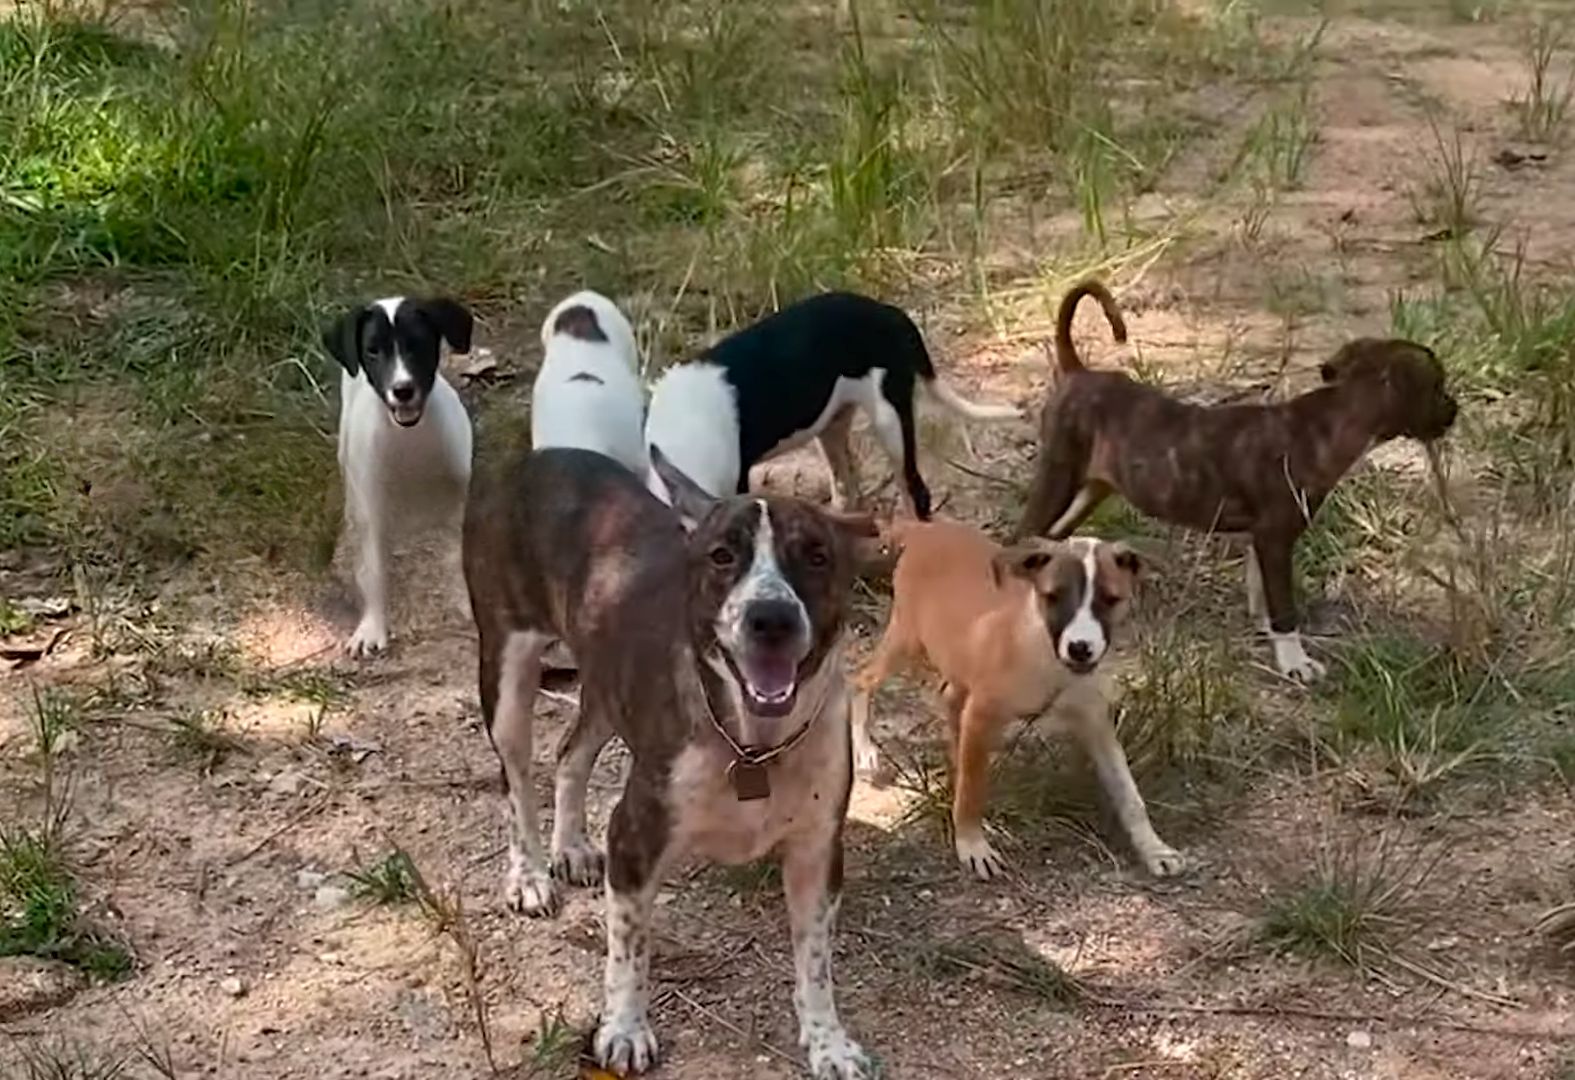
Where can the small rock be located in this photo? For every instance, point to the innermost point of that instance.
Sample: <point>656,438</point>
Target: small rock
<point>329,897</point>
<point>233,987</point>
<point>309,879</point>
<point>287,782</point>
<point>1359,1040</point>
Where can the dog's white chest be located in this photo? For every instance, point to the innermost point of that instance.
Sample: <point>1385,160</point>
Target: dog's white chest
<point>711,822</point>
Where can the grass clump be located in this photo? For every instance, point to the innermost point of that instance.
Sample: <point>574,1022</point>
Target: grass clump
<point>39,910</point>
<point>1543,108</point>
<point>392,881</point>
<point>1354,903</point>
<point>1447,196</point>
<point>1003,961</point>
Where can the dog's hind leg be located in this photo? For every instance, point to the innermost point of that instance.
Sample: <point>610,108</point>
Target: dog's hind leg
<point>574,858</point>
<point>1057,481</point>
<point>1089,716</point>
<point>839,462</point>
<point>894,428</point>
<point>510,677</point>
<point>812,886</point>
<point>1274,555</point>
<point>975,739</point>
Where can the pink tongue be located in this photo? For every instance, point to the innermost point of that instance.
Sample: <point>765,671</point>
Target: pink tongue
<point>769,675</point>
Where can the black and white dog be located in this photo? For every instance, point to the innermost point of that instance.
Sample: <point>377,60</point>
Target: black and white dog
<point>795,376</point>
<point>404,436</point>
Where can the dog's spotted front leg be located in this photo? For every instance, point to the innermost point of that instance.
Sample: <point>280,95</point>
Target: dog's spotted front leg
<point>812,882</point>
<point>636,837</point>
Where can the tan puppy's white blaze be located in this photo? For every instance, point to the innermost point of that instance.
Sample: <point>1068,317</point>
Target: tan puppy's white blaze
<point>1016,633</point>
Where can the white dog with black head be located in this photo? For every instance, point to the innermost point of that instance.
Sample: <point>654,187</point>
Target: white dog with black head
<point>404,437</point>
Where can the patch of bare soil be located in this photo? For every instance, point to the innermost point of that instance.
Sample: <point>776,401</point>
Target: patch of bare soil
<point>222,866</point>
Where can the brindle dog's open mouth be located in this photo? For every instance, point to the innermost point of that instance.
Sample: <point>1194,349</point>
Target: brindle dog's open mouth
<point>768,681</point>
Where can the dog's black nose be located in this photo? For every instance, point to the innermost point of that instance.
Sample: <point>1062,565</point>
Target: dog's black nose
<point>1079,652</point>
<point>772,622</point>
<point>403,392</point>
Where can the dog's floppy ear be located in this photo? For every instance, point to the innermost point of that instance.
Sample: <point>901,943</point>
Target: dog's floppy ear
<point>852,526</point>
<point>342,339</point>
<point>450,317</point>
<point>689,499</point>
<point>1023,560</point>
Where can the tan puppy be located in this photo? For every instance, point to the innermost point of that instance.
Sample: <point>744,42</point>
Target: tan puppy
<point>1014,632</point>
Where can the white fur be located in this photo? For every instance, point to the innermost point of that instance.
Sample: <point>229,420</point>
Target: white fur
<point>393,474</point>
<point>1084,627</point>
<point>605,416</point>
<point>1291,658</point>
<point>694,420</point>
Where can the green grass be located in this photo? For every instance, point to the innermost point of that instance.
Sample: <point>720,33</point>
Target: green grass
<point>39,908</point>
<point>1446,197</point>
<point>1356,903</point>
<point>1000,961</point>
<point>1543,108</point>
<point>554,1047</point>
<point>390,882</point>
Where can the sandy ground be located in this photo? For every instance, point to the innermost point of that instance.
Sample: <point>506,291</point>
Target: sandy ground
<point>248,968</point>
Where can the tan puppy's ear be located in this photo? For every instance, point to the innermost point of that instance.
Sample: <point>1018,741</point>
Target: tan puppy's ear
<point>1024,560</point>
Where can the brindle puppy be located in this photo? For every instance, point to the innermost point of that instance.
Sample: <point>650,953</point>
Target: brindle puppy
<point>1263,470</point>
<point>716,655</point>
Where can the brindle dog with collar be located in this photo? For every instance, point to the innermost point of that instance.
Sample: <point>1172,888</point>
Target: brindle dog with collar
<point>1263,470</point>
<point>710,641</point>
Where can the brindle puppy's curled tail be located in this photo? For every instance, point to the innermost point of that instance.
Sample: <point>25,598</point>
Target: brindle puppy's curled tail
<point>1066,352</point>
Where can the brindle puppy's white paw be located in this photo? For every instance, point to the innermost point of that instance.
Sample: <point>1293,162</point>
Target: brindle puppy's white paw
<point>977,855</point>
<point>530,893</point>
<point>1291,658</point>
<point>834,1056</point>
<point>579,863</point>
<point>1164,861</point>
<point>626,1045</point>
<point>370,638</point>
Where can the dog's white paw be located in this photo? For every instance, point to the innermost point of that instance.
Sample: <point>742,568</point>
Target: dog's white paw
<point>834,1056</point>
<point>370,638</point>
<point>1164,861</point>
<point>530,893</point>
<point>626,1044</point>
<point>579,863</point>
<point>977,855</point>
<point>1291,658</point>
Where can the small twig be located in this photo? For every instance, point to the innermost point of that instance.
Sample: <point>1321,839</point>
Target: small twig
<point>982,474</point>
<point>1426,973</point>
<point>723,1022</point>
<point>1332,1016</point>
<point>280,831</point>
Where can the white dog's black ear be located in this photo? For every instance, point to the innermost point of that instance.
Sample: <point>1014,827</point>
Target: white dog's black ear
<point>450,318</point>
<point>689,499</point>
<point>342,339</point>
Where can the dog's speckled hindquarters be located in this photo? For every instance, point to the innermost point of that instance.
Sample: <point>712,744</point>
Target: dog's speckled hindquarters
<point>709,639</point>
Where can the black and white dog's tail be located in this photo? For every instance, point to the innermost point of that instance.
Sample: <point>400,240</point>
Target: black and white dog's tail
<point>942,391</point>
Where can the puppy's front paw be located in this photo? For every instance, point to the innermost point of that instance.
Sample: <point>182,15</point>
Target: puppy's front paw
<point>834,1056</point>
<point>977,855</point>
<point>530,893</point>
<point>1291,658</point>
<point>579,863</point>
<point>370,638</point>
<point>1164,861</point>
<point>625,1045</point>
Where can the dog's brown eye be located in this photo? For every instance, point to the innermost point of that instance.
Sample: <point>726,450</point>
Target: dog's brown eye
<point>721,556</point>
<point>817,557</point>
<point>1052,597</point>
<point>1110,599</point>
